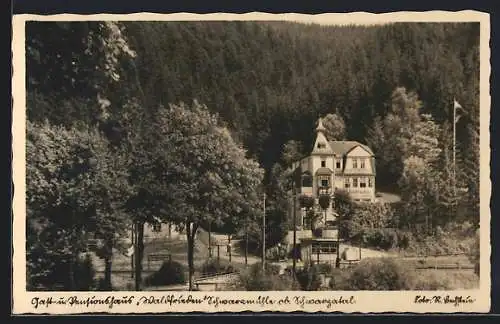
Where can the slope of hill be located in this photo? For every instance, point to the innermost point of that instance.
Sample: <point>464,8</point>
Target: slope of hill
<point>268,80</point>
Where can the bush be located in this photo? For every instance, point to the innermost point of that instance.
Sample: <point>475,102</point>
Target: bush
<point>324,267</point>
<point>391,274</point>
<point>170,273</point>
<point>454,238</point>
<point>309,278</point>
<point>339,279</point>
<point>383,238</point>
<point>474,253</point>
<point>255,279</point>
<point>84,274</point>
<point>380,274</point>
<point>214,266</point>
<point>56,274</point>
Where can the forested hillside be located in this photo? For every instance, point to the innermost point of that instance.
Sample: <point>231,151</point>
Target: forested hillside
<point>270,81</point>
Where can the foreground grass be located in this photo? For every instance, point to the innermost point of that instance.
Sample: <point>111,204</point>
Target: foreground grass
<point>430,279</point>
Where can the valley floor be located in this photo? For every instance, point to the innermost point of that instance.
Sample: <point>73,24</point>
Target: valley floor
<point>456,269</point>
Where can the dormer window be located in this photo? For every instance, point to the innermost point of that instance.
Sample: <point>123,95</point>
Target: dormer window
<point>321,145</point>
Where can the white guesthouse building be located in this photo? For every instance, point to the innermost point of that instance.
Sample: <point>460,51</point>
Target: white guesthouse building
<point>330,166</point>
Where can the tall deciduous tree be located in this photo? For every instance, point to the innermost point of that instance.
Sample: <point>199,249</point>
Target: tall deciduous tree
<point>335,127</point>
<point>292,152</point>
<point>75,191</point>
<point>82,61</point>
<point>392,138</point>
<point>419,181</point>
<point>196,172</point>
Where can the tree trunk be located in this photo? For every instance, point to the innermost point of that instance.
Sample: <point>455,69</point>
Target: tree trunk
<point>107,274</point>
<point>191,232</point>
<point>107,265</point>
<point>229,247</point>
<point>139,250</point>
<point>246,247</point>
<point>429,216</point>
<point>71,273</point>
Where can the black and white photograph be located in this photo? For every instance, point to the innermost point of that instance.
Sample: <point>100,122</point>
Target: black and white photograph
<point>297,156</point>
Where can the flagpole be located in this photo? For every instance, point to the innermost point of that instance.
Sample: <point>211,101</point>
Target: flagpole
<point>264,235</point>
<point>454,153</point>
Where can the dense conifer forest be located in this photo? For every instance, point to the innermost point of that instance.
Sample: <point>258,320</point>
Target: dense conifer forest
<point>270,81</point>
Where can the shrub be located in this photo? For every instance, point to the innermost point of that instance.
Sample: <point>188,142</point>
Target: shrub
<point>366,217</point>
<point>170,273</point>
<point>255,279</point>
<point>309,278</point>
<point>273,269</point>
<point>339,279</point>
<point>84,274</point>
<point>380,274</point>
<point>214,266</point>
<point>324,267</point>
<point>474,253</point>
<point>383,238</point>
<point>56,274</point>
<point>405,239</point>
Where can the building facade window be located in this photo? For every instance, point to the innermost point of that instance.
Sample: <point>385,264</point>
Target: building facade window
<point>307,180</point>
<point>354,182</point>
<point>354,163</point>
<point>370,182</point>
<point>157,227</point>
<point>323,163</point>
<point>337,165</point>
<point>347,183</point>
<point>362,183</point>
<point>362,164</point>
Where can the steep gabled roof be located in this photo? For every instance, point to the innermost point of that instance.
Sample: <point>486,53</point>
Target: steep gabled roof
<point>343,147</point>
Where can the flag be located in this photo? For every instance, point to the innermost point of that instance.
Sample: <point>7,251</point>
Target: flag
<point>456,106</point>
